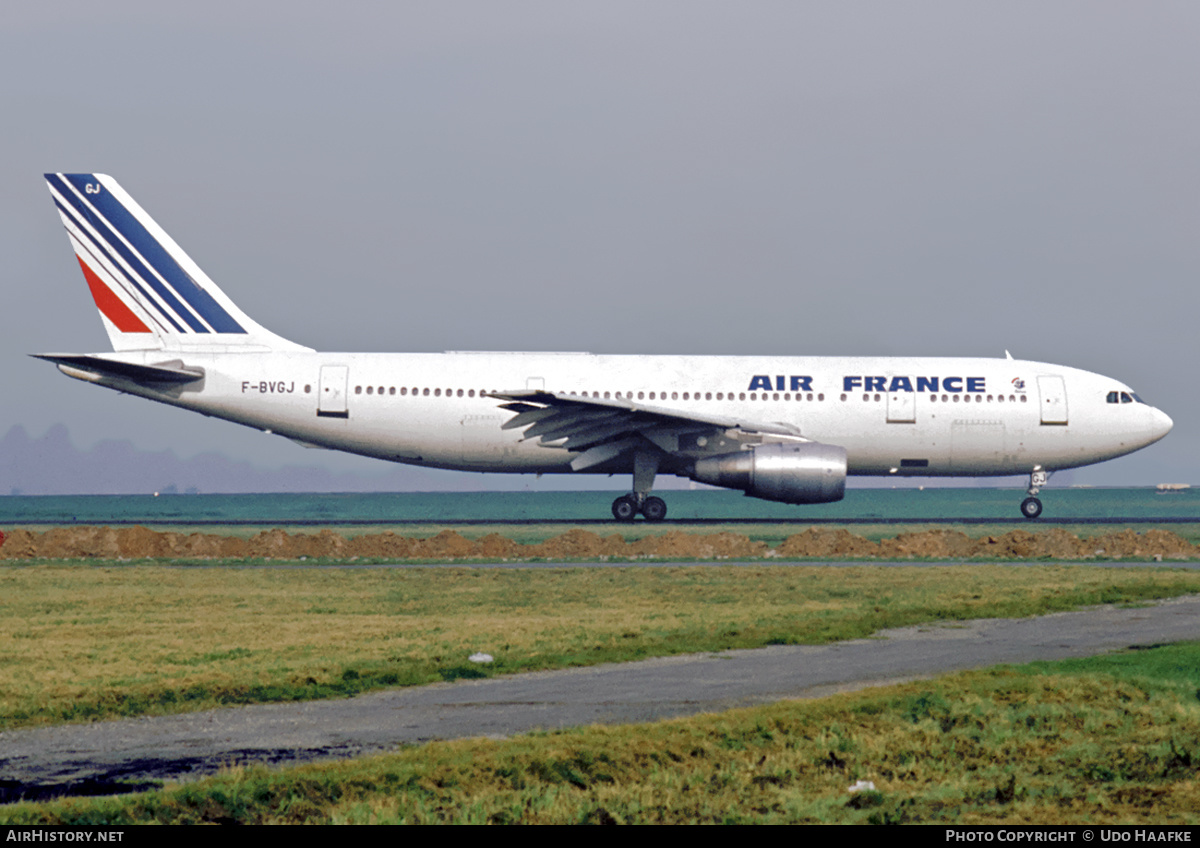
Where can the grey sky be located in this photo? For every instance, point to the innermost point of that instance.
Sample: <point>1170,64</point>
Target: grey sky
<point>927,178</point>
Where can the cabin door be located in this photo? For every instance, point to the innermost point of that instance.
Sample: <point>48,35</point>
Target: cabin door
<point>331,393</point>
<point>902,407</point>
<point>1053,392</point>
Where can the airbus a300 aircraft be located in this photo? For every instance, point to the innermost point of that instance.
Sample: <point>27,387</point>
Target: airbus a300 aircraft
<point>784,429</point>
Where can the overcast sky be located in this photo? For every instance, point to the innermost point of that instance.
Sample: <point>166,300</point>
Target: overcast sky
<point>925,178</point>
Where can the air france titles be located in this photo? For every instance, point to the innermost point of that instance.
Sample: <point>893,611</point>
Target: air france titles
<point>914,384</point>
<point>762,383</point>
<point>794,383</point>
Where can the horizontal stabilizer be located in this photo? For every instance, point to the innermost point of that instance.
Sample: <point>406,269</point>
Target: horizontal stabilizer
<point>87,366</point>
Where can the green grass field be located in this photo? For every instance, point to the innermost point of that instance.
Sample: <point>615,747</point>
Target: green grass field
<point>1110,740</point>
<point>1114,739</point>
<point>88,642</point>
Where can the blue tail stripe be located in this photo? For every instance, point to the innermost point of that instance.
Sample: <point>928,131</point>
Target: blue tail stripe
<point>99,247</point>
<point>159,259</point>
<point>154,253</point>
<point>110,237</point>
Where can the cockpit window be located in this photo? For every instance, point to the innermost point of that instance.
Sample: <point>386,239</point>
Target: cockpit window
<point>1123,397</point>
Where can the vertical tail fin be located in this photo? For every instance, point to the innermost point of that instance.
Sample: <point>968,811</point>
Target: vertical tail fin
<point>150,294</point>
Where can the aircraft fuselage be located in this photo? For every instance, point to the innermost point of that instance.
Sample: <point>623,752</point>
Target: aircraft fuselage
<point>894,416</point>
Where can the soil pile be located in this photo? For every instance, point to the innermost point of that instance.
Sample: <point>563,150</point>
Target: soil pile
<point>818,542</point>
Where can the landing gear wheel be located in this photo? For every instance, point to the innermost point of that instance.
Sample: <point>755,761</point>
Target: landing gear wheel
<point>1031,508</point>
<point>654,509</point>
<point>625,508</point>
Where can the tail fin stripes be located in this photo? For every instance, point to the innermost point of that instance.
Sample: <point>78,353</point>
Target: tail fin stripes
<point>141,280</point>
<point>111,306</point>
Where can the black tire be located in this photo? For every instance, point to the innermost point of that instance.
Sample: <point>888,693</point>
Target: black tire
<point>1031,508</point>
<point>625,508</point>
<point>654,509</point>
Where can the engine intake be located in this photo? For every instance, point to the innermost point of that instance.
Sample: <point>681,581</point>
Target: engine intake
<point>792,473</point>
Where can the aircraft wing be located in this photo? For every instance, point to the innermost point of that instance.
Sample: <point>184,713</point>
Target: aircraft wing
<point>603,429</point>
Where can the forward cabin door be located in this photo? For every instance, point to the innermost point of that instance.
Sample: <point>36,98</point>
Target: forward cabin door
<point>1053,391</point>
<point>331,393</point>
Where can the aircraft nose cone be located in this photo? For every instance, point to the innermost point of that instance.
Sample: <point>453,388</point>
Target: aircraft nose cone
<point>1160,424</point>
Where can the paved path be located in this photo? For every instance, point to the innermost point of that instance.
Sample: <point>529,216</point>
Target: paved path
<point>174,747</point>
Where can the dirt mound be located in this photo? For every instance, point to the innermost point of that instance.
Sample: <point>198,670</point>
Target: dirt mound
<point>816,542</point>
<point>825,542</point>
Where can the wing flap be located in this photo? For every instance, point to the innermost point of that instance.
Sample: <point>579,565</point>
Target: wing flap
<point>602,429</point>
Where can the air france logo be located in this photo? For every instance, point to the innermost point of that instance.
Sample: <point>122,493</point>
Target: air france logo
<point>914,384</point>
<point>803,383</point>
<point>793,383</point>
<point>1018,384</point>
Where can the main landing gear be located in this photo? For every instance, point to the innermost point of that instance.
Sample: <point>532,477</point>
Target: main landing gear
<point>1031,507</point>
<point>627,507</point>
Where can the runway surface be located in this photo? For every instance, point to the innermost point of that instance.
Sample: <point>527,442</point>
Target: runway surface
<point>125,755</point>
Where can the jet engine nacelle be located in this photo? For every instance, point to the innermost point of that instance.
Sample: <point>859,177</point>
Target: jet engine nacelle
<point>792,473</point>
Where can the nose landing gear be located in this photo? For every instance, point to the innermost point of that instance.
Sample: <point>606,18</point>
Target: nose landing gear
<point>1031,507</point>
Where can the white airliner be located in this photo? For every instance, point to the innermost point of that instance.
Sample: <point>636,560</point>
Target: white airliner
<point>784,429</point>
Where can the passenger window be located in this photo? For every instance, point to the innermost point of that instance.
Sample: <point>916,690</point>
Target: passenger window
<point>358,390</point>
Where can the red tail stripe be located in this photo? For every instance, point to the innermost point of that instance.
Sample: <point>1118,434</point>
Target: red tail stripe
<point>110,305</point>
